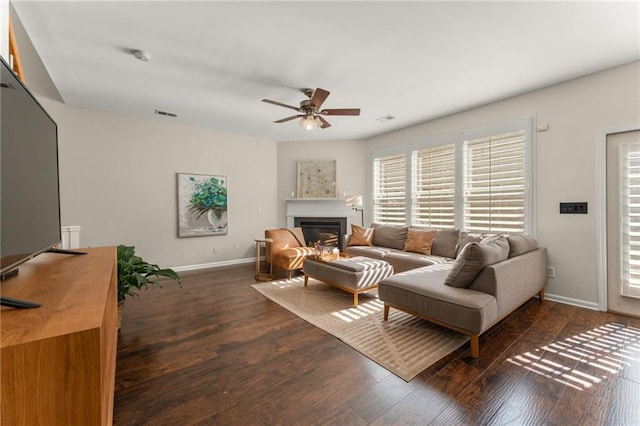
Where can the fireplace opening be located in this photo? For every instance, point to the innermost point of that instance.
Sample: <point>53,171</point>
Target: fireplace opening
<point>327,230</point>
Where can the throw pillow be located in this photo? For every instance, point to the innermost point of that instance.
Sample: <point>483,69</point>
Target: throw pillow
<point>466,238</point>
<point>361,236</point>
<point>521,244</point>
<point>446,243</point>
<point>419,240</point>
<point>392,236</point>
<point>474,257</point>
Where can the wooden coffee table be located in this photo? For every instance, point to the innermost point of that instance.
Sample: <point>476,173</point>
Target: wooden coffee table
<point>353,274</point>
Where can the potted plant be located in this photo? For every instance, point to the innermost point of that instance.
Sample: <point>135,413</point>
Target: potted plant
<point>136,274</point>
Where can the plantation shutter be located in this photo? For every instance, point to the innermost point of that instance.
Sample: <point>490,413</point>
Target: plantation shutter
<point>494,183</point>
<point>434,186</point>
<point>389,189</point>
<point>630,219</point>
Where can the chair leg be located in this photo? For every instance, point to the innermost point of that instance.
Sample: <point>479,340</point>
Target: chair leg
<point>289,275</point>
<point>541,295</point>
<point>385,315</point>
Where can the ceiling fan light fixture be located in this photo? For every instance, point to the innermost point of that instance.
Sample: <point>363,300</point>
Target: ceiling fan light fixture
<point>309,122</point>
<point>310,113</point>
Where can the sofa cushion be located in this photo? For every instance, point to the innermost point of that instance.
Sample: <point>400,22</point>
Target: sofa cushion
<point>445,243</point>
<point>521,244</point>
<point>406,260</point>
<point>468,237</point>
<point>373,252</point>
<point>421,291</point>
<point>361,236</point>
<point>474,257</point>
<point>419,240</point>
<point>392,236</point>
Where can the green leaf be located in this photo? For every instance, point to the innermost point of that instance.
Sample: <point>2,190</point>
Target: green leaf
<point>134,273</point>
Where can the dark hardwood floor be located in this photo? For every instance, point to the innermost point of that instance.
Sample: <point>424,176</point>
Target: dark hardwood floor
<point>218,352</point>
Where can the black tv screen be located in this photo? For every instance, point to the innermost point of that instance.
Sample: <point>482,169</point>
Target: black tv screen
<point>29,194</point>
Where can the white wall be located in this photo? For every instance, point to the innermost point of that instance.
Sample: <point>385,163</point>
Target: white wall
<point>565,163</point>
<point>118,182</point>
<point>4,32</point>
<point>351,167</point>
<point>118,178</point>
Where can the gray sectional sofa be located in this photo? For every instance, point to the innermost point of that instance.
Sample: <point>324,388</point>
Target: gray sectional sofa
<point>467,282</point>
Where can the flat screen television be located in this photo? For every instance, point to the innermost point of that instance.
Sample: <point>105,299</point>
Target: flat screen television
<point>29,193</point>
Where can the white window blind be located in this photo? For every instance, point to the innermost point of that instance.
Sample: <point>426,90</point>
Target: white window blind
<point>494,183</point>
<point>389,189</point>
<point>434,186</point>
<point>630,219</point>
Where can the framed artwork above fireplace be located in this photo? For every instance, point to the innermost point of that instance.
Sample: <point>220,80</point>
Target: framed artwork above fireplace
<point>316,179</point>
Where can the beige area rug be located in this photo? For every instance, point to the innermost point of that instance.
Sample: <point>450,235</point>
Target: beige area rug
<point>404,345</point>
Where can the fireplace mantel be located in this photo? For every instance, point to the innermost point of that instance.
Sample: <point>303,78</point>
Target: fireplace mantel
<point>325,207</point>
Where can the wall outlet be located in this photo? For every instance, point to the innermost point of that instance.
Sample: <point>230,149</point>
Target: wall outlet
<point>551,272</point>
<point>237,246</point>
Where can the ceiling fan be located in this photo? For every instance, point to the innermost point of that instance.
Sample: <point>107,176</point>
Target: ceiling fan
<point>311,116</point>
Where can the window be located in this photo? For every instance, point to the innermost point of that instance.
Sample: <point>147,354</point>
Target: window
<point>494,183</point>
<point>389,189</point>
<point>478,180</point>
<point>434,186</point>
<point>630,215</point>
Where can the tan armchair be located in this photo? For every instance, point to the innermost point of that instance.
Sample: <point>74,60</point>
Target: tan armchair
<point>288,249</point>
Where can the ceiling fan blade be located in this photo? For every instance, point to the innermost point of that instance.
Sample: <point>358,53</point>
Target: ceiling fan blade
<point>318,98</point>
<point>269,101</point>
<point>341,111</point>
<point>293,117</point>
<point>325,123</point>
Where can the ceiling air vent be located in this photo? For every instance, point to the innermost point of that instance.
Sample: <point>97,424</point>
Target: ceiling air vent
<point>168,114</point>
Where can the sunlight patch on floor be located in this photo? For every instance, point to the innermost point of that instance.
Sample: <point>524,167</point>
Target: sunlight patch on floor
<point>296,281</point>
<point>363,310</point>
<point>605,351</point>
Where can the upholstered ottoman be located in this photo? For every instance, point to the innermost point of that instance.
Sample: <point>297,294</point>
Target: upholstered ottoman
<point>352,274</point>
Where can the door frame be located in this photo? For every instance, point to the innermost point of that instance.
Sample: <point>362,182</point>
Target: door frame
<point>601,207</point>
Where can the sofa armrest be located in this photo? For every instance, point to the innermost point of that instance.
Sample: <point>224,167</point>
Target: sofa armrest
<point>513,281</point>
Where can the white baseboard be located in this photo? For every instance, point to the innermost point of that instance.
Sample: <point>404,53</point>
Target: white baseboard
<point>214,264</point>
<point>570,301</point>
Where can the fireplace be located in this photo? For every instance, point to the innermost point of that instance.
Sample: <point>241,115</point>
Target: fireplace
<point>327,230</point>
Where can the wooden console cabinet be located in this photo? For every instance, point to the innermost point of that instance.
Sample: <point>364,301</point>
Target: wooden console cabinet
<point>58,361</point>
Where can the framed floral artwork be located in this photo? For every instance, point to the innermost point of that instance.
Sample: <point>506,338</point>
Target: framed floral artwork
<point>317,179</point>
<point>202,205</point>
